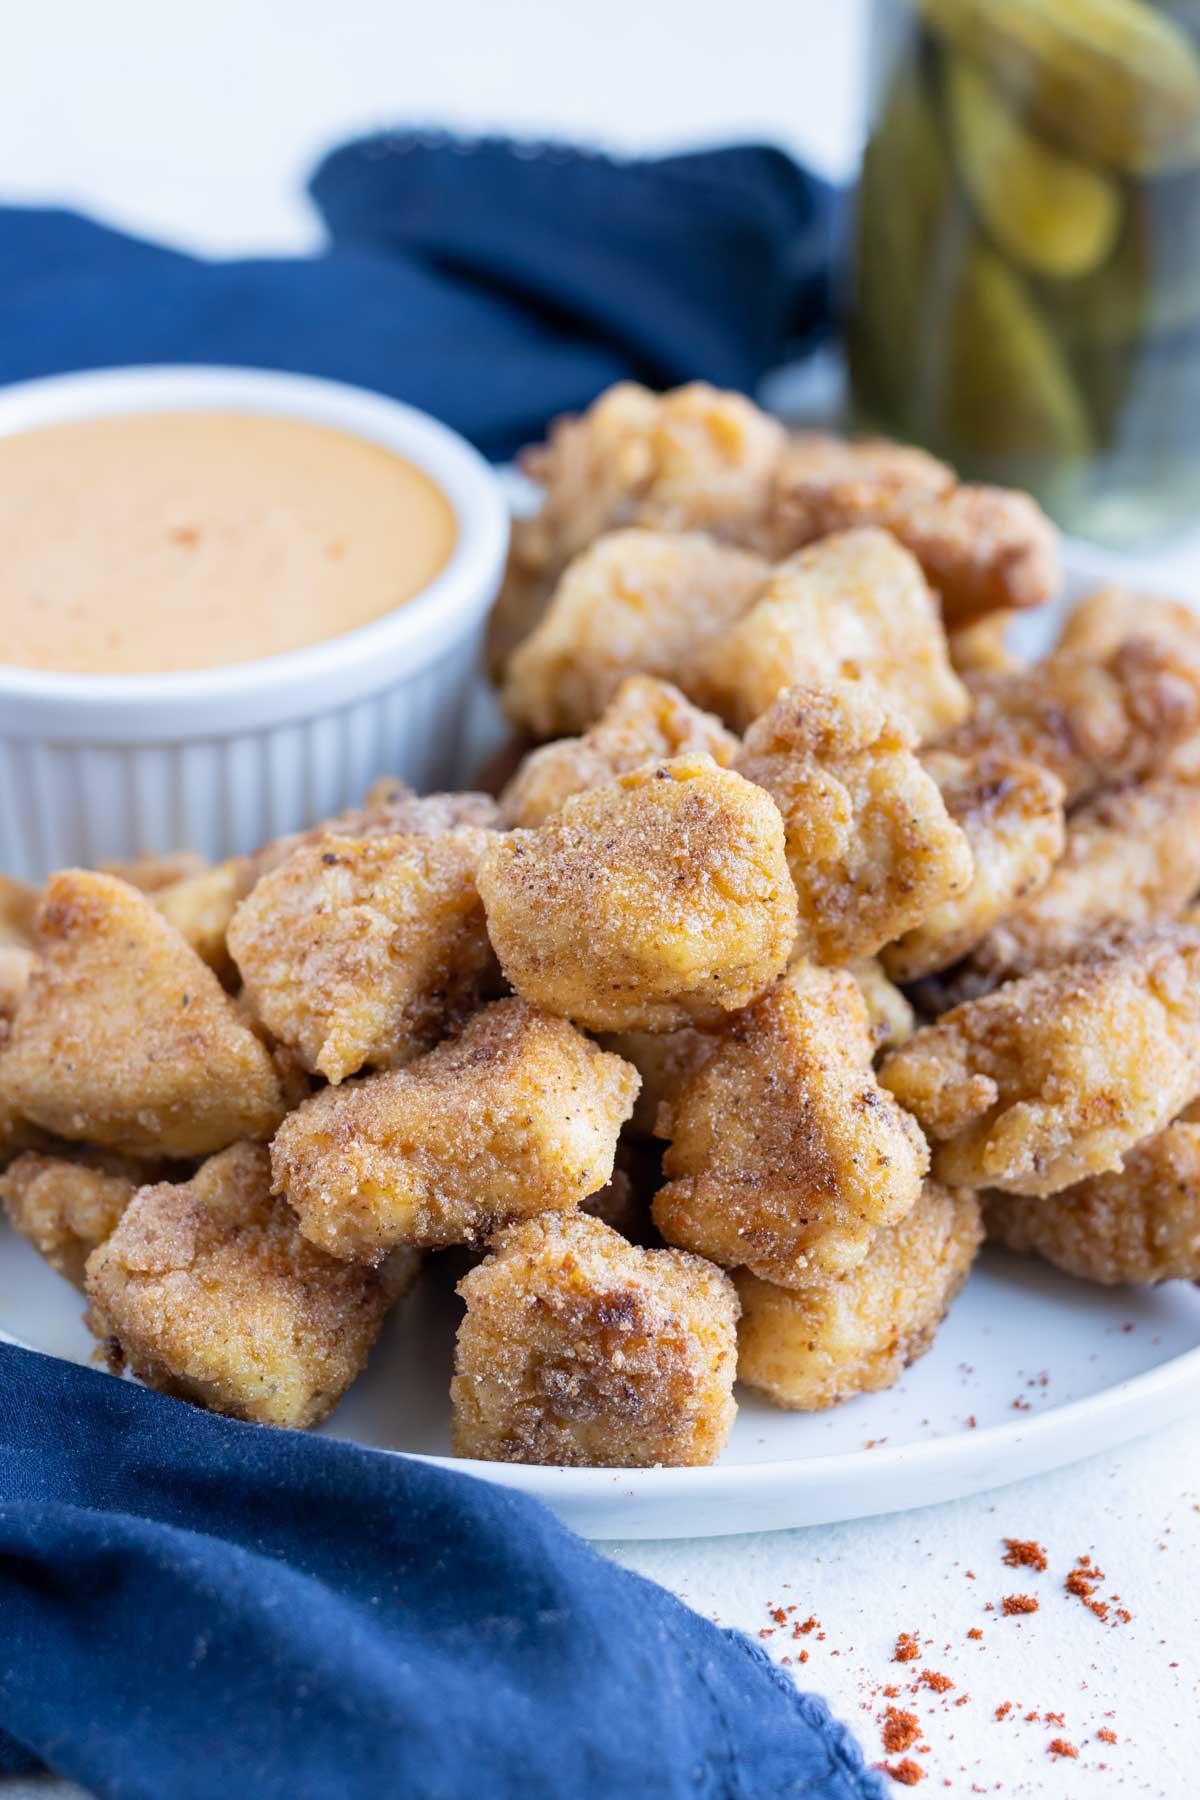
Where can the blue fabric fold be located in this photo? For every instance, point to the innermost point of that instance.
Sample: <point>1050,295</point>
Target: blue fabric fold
<point>494,284</point>
<point>194,1607</point>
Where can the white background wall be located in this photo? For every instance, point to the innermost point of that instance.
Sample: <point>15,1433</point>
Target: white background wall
<point>197,119</point>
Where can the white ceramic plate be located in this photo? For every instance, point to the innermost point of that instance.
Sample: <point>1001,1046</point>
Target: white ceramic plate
<point>1031,1370</point>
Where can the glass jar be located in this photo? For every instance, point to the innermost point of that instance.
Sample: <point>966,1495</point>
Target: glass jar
<point>1025,293</point>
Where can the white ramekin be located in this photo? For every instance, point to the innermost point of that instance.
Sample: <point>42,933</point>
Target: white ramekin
<point>218,760</point>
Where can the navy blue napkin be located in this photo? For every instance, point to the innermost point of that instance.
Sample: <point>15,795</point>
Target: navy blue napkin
<point>194,1607</point>
<point>494,284</point>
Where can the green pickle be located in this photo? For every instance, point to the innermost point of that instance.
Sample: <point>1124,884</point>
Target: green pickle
<point>1025,296</point>
<point>1051,213</point>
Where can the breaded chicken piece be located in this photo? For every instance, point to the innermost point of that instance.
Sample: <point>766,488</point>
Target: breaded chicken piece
<point>635,602</point>
<point>982,647</point>
<point>125,1039</point>
<point>852,607</point>
<point>665,1060</point>
<point>66,1208</point>
<point>696,459</point>
<point>983,549</point>
<point>519,1114</point>
<point>858,1332</point>
<point>647,720</point>
<point>1139,1224</point>
<point>152,873</point>
<point>16,971</point>
<point>580,1349</point>
<point>1091,723</point>
<point>201,905</point>
<point>870,845</point>
<point>1057,1076</point>
<point>656,901</point>
<point>1012,814</point>
<point>18,910</point>
<point>362,951</point>
<point>1132,860</point>
<point>890,1016</point>
<point>208,1292</point>
<point>1101,621</point>
<point>785,1155</point>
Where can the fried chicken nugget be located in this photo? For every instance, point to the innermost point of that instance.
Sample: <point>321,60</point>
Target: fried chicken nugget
<point>361,951</point>
<point>647,720</point>
<point>16,970</point>
<point>983,549</point>
<point>1091,723</point>
<point>519,1114</point>
<point>870,845</point>
<point>660,899</point>
<point>152,873</point>
<point>125,1039</point>
<point>1057,1076</point>
<point>696,459</point>
<point>785,1155</point>
<point>66,1208</point>
<point>855,606</point>
<point>578,1348</point>
<point>1101,621</point>
<point>982,647</point>
<point>1140,1224</point>
<point>1012,814</point>
<point>18,910</point>
<point>665,1060</point>
<point>208,1292</point>
<point>1132,860</point>
<point>859,1332</point>
<point>889,1014</point>
<point>635,602</point>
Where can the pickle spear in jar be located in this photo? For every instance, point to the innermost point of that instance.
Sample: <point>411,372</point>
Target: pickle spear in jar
<point>1052,214</point>
<point>1112,79</point>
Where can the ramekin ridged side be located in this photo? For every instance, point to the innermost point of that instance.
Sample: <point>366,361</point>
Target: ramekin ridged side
<point>218,760</point>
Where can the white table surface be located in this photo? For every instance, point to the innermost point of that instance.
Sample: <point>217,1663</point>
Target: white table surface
<point>198,121</point>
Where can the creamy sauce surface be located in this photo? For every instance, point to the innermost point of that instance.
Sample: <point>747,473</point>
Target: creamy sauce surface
<point>155,542</point>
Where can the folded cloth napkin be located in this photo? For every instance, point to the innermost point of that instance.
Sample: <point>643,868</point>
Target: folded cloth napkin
<point>495,284</point>
<point>194,1607</point>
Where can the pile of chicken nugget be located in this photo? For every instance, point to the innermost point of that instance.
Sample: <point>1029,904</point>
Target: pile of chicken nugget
<point>810,937</point>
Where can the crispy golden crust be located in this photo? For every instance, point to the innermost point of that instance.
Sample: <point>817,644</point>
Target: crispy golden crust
<point>1055,1077</point>
<point>851,607</point>
<point>870,845</point>
<point>16,970</point>
<point>662,898</point>
<point>580,1349</point>
<point>520,1114</point>
<point>982,548</point>
<point>65,1208</point>
<point>200,908</point>
<point>361,951</point>
<point>1103,620</point>
<point>207,1291</point>
<point>1140,1224</point>
<point>125,1039</point>
<point>647,720</point>
<point>859,1332</point>
<point>18,910</point>
<point>1091,723</point>
<point>982,647</point>
<point>664,1060</point>
<point>150,873</point>
<point>635,602</point>
<point>696,459</point>
<point>1132,859</point>
<point>784,1154</point>
<point>1012,814</point>
<point>889,1014</point>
